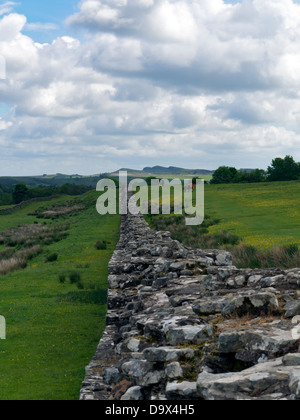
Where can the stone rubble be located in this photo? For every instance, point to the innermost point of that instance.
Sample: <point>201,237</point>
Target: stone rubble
<point>185,324</point>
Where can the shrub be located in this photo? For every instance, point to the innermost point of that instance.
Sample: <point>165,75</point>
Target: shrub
<point>6,254</point>
<point>98,297</point>
<point>7,266</point>
<point>62,278</point>
<point>101,245</point>
<point>52,257</point>
<point>29,235</point>
<point>28,254</point>
<point>75,277</point>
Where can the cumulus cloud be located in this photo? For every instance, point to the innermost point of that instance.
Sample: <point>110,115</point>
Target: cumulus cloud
<point>209,44</point>
<point>193,83</point>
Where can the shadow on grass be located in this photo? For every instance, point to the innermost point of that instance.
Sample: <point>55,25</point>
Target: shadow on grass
<point>97,297</point>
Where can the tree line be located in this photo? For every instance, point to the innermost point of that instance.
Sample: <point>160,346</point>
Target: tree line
<point>281,169</point>
<point>23,193</point>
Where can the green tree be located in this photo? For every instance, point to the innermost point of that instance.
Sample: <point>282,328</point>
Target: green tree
<point>283,169</point>
<point>224,175</point>
<point>258,175</point>
<point>20,193</point>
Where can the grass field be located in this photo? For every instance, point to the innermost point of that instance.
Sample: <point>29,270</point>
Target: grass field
<point>258,223</point>
<point>53,327</point>
<point>263,215</point>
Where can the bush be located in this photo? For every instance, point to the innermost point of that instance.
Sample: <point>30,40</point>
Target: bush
<point>101,245</point>
<point>6,254</point>
<point>34,234</point>
<point>7,266</point>
<point>75,277</point>
<point>62,278</point>
<point>52,258</point>
<point>97,297</point>
<point>29,253</point>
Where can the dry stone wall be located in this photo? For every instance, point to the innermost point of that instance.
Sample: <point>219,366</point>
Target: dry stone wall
<point>186,324</point>
<point>25,203</point>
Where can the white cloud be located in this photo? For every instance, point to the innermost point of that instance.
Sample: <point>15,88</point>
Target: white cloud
<point>38,26</point>
<point>193,83</point>
<point>11,26</point>
<point>7,7</point>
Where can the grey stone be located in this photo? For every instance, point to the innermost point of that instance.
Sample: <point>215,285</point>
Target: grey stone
<point>254,280</point>
<point>151,378</point>
<point>250,346</point>
<point>133,394</point>
<point>224,273</point>
<point>240,281</point>
<point>178,266</point>
<point>271,281</point>
<point>253,304</point>
<point>294,383</point>
<point>111,376</point>
<point>292,308</point>
<point>230,283</point>
<point>133,344</point>
<point>209,307</point>
<point>189,334</point>
<point>291,359</point>
<point>224,258</point>
<point>156,252</point>
<point>160,282</point>
<point>230,342</point>
<point>186,273</point>
<point>167,354</point>
<point>137,368</point>
<point>174,371</point>
<point>182,390</point>
<point>113,281</point>
<point>263,378</point>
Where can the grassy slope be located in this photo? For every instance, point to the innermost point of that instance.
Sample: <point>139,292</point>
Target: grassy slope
<point>262,214</point>
<point>50,339</point>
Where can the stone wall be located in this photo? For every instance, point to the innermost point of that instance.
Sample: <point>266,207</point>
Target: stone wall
<point>187,324</point>
<point>25,203</point>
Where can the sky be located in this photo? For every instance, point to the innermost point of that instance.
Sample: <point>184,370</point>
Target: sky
<point>97,85</point>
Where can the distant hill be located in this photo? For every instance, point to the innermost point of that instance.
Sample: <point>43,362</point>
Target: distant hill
<point>7,184</point>
<point>50,180</point>
<point>173,170</point>
<point>164,171</point>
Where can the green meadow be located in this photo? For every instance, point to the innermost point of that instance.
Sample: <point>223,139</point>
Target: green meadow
<point>263,215</point>
<point>258,223</point>
<point>54,325</point>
